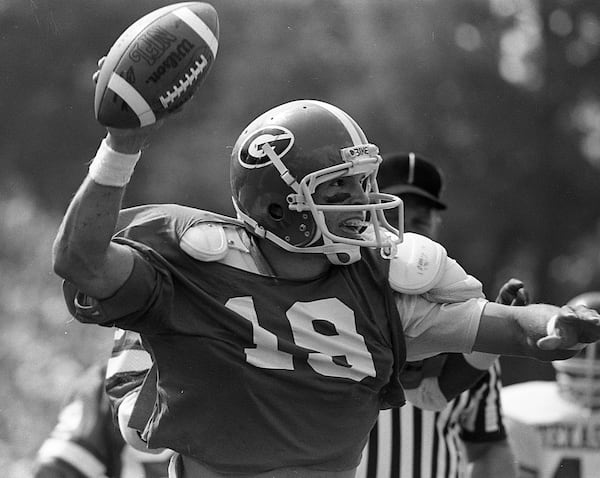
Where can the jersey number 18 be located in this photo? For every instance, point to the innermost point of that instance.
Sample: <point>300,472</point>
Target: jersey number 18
<point>341,354</point>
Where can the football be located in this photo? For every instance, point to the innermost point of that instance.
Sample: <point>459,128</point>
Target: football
<point>156,65</point>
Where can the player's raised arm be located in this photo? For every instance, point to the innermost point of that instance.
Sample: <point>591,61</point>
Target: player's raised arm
<point>134,92</point>
<point>83,252</point>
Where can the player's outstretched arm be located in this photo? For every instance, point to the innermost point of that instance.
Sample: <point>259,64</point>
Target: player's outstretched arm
<point>540,331</point>
<point>83,253</point>
<point>457,372</point>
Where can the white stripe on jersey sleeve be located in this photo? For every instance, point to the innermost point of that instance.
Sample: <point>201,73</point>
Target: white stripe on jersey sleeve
<point>128,361</point>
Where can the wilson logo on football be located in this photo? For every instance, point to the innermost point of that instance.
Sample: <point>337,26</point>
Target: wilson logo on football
<point>252,155</point>
<point>172,61</point>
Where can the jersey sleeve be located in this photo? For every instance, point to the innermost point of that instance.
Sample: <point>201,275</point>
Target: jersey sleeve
<point>127,367</point>
<point>445,318</point>
<point>431,328</point>
<point>481,421</point>
<point>137,305</point>
<point>454,285</point>
<point>84,442</point>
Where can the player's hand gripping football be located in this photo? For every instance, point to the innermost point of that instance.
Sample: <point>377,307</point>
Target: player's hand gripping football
<point>571,328</point>
<point>132,140</point>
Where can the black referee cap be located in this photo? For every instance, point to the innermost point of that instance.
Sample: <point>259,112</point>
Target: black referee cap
<point>409,173</point>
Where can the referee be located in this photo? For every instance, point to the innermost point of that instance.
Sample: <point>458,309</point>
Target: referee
<point>467,438</point>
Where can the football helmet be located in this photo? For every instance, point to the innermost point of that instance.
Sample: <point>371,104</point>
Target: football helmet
<point>578,378</point>
<point>281,158</point>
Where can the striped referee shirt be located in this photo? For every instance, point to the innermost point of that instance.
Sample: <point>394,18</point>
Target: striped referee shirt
<point>409,442</point>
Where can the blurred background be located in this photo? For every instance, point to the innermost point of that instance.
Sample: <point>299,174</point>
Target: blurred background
<point>504,95</point>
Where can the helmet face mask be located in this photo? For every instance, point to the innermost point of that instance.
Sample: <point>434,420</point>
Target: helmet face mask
<point>281,159</point>
<point>578,378</point>
<point>372,210</point>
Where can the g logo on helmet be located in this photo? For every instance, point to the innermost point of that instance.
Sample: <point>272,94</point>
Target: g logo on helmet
<point>252,154</point>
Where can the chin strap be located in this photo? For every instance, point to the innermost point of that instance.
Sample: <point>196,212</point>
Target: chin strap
<point>348,255</point>
<point>335,252</point>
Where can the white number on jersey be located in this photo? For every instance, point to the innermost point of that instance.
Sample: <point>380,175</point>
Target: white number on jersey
<point>336,351</point>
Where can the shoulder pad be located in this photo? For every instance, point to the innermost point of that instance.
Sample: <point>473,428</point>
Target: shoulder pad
<point>417,266</point>
<point>210,241</point>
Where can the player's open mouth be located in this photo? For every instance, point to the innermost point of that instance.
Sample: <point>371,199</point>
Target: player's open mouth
<point>353,226</point>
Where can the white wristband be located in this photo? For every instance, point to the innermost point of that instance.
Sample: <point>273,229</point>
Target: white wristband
<point>111,168</point>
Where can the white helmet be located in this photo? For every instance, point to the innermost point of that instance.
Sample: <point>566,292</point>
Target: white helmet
<point>578,378</point>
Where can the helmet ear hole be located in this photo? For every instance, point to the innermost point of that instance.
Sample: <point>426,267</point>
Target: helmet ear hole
<point>275,212</point>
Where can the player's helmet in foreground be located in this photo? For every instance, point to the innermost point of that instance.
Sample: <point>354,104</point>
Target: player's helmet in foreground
<point>279,160</point>
<point>578,378</point>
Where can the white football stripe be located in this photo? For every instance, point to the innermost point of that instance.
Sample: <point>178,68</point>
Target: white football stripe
<point>201,28</point>
<point>140,25</point>
<point>356,134</point>
<point>135,101</point>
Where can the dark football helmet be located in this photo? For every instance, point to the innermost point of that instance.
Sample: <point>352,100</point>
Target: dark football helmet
<point>578,378</point>
<point>284,155</point>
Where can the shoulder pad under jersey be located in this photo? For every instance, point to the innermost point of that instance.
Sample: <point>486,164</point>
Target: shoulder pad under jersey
<point>210,241</point>
<point>417,266</point>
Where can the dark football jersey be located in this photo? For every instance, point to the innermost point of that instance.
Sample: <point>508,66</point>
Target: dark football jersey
<point>254,372</point>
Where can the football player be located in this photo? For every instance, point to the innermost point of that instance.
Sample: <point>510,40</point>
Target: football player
<point>86,443</point>
<point>278,335</point>
<point>464,436</point>
<point>555,425</point>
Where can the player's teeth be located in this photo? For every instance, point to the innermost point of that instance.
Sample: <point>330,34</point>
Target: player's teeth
<point>354,223</point>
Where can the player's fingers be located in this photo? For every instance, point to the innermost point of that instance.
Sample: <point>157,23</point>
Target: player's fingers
<point>587,322</point>
<point>550,342</point>
<point>508,291</point>
<point>561,331</point>
<point>585,312</point>
<point>97,72</point>
<point>571,328</point>
<point>521,298</point>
